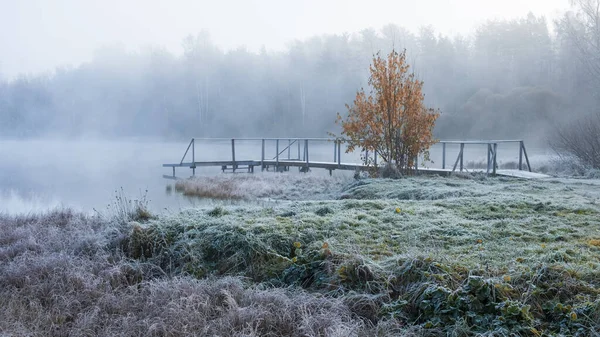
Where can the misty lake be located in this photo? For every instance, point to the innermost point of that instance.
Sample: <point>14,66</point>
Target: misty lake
<point>37,175</point>
<point>42,174</point>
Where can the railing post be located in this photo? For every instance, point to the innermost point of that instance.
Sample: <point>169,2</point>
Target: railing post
<point>462,147</point>
<point>495,158</point>
<point>194,156</point>
<point>457,160</point>
<point>298,141</point>
<point>262,156</point>
<point>443,156</point>
<point>334,150</point>
<point>489,150</point>
<point>526,158</point>
<point>520,155</point>
<point>306,152</point>
<point>339,153</point>
<point>289,145</point>
<point>233,155</point>
<point>277,156</point>
<point>186,151</point>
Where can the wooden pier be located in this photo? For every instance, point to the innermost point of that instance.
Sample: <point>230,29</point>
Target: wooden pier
<point>282,158</point>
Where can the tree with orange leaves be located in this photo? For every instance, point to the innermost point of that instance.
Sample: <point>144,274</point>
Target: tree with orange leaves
<point>392,120</point>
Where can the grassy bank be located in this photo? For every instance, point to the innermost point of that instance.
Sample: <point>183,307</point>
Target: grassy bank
<point>422,256</point>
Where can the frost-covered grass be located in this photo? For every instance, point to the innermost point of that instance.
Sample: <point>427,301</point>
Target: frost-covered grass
<point>488,254</point>
<point>64,274</point>
<point>422,256</point>
<point>286,186</point>
<point>568,167</point>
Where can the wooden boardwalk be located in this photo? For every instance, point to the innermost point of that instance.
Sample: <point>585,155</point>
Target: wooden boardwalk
<point>280,162</point>
<point>284,165</point>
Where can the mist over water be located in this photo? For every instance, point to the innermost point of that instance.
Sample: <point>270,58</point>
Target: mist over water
<point>38,175</point>
<point>42,174</point>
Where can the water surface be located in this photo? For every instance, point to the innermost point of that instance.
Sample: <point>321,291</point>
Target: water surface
<point>38,175</point>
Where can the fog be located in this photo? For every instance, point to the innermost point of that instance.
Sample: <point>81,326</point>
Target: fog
<point>144,72</point>
<point>504,78</point>
<point>37,35</point>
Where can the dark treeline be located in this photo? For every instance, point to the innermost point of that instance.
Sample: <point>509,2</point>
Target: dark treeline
<point>508,79</point>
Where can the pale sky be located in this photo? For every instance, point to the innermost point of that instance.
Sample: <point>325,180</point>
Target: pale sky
<point>39,35</point>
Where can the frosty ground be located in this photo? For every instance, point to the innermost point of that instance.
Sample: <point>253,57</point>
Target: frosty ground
<point>423,256</point>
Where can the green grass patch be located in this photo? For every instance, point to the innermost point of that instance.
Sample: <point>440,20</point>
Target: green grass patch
<point>483,255</point>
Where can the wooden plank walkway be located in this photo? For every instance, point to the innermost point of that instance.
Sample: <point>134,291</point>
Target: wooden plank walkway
<point>279,163</point>
<point>522,174</point>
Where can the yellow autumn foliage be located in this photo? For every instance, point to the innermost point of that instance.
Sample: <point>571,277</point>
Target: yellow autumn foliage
<point>392,119</point>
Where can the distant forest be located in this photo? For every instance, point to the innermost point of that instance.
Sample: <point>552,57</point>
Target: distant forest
<point>508,79</point>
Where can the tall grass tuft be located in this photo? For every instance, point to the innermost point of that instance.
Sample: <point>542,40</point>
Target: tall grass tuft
<point>123,209</point>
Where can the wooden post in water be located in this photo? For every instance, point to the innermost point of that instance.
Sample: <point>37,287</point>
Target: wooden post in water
<point>233,155</point>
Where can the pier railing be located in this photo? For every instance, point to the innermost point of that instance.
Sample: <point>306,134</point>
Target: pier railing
<point>295,152</point>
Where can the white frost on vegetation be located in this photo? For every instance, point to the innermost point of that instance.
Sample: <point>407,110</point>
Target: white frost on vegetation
<point>64,273</point>
<point>285,186</point>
